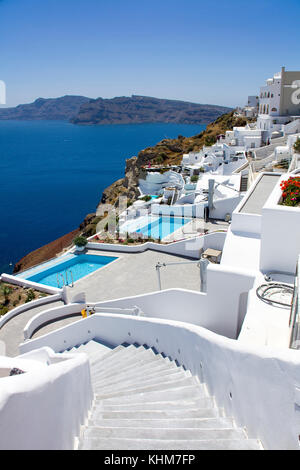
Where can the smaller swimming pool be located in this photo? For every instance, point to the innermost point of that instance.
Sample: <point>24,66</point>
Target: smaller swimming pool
<point>161,227</point>
<point>154,226</point>
<point>66,269</point>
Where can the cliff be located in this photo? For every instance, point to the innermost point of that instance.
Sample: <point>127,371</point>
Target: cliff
<point>63,108</point>
<point>144,109</point>
<point>168,151</point>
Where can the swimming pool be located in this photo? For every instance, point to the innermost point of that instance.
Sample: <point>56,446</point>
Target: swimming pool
<point>66,269</point>
<point>154,226</point>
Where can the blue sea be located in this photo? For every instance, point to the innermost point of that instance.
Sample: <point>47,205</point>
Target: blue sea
<point>52,175</point>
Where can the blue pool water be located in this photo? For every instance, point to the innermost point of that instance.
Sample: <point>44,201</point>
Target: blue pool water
<point>53,173</point>
<point>53,273</point>
<point>161,227</point>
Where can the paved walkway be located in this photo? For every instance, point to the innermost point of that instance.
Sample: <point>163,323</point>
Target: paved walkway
<point>134,274</point>
<point>12,332</point>
<point>260,194</point>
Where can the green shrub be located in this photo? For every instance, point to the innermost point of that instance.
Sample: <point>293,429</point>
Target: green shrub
<point>5,291</point>
<point>3,310</point>
<point>297,146</point>
<point>30,296</point>
<point>210,140</point>
<point>80,241</point>
<point>194,178</point>
<point>146,198</point>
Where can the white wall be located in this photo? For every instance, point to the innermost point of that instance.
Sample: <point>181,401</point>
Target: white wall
<point>280,242</point>
<point>44,408</point>
<point>26,283</point>
<point>217,313</point>
<point>28,306</point>
<point>190,247</point>
<point>224,206</point>
<point>186,210</point>
<point>259,387</point>
<point>50,315</point>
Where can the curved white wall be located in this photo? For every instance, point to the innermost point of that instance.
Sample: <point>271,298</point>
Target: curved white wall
<point>45,407</point>
<point>52,314</point>
<point>28,306</point>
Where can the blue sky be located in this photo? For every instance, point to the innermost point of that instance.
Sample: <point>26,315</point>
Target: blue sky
<point>202,51</point>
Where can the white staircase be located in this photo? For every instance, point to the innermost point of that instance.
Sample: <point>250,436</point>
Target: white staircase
<point>143,400</point>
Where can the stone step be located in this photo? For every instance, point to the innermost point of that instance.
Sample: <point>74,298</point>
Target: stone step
<point>180,393</point>
<point>179,434</point>
<point>153,370</point>
<point>145,366</point>
<point>162,388</point>
<point>94,347</point>
<point>116,354</point>
<point>143,400</point>
<point>133,363</point>
<point>164,374</point>
<point>113,404</point>
<point>99,357</point>
<point>134,386</point>
<point>122,355</point>
<point>147,444</point>
<point>185,413</point>
<point>170,423</point>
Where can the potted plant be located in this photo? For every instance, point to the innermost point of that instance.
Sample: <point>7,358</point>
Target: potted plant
<point>80,242</point>
<point>291,192</point>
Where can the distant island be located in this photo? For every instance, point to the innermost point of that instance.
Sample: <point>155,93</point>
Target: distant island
<point>63,108</point>
<point>119,110</point>
<point>144,109</point>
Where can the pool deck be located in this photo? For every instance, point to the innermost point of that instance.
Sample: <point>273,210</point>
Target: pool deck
<point>134,274</point>
<point>131,274</point>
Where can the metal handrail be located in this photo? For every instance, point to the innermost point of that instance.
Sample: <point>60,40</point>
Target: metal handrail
<point>71,277</point>
<point>294,321</point>
<point>198,262</point>
<point>57,278</point>
<point>67,280</point>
